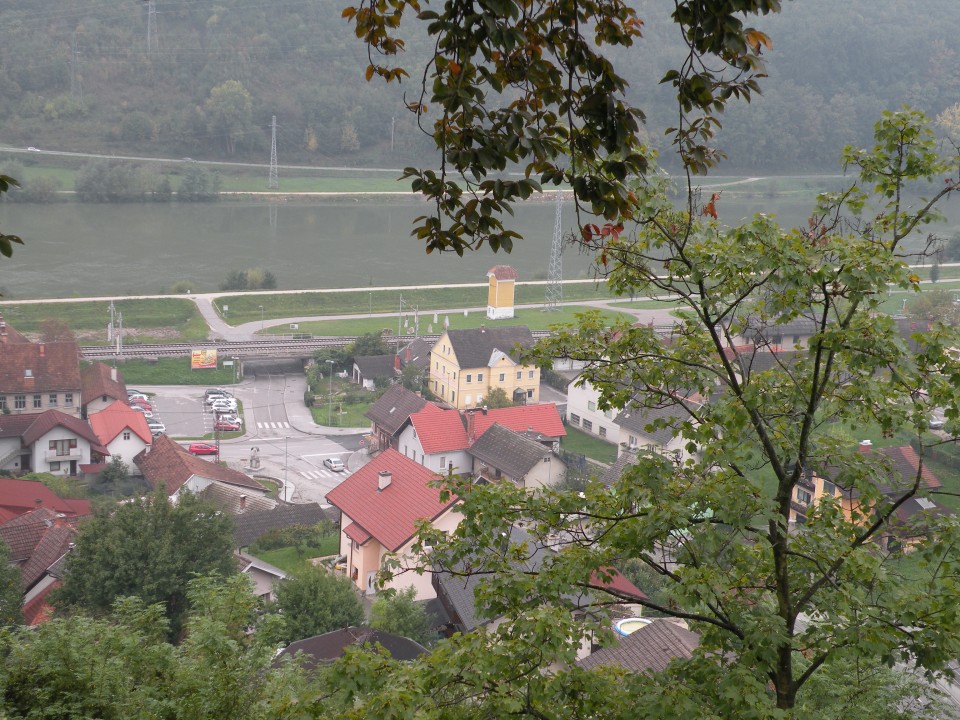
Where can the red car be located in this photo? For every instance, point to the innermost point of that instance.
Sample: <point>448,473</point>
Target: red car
<point>202,449</point>
<point>226,425</point>
<point>140,404</point>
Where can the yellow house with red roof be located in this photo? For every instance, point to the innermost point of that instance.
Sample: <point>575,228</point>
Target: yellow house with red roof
<point>381,505</point>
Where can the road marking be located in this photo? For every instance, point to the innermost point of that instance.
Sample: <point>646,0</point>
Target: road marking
<point>272,425</point>
<point>315,474</point>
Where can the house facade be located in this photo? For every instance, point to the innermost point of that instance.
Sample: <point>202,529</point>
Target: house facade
<point>50,442</point>
<point>501,454</point>
<point>436,439</point>
<point>502,280</point>
<point>122,430</point>
<point>37,377</point>
<point>584,414</point>
<point>389,414</point>
<point>466,365</point>
<point>380,506</point>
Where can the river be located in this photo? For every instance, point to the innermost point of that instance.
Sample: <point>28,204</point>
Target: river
<point>73,249</point>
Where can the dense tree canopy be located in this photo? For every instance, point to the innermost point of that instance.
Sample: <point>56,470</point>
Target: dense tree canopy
<point>316,602</point>
<point>148,548</point>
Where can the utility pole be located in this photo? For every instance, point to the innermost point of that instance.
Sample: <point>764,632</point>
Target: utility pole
<point>554,292</point>
<point>273,183</point>
<point>151,26</point>
<point>393,130</point>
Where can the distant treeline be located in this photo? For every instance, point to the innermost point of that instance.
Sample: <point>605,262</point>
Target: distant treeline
<point>215,74</point>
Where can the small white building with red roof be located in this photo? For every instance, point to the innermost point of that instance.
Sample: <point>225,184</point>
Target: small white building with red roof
<point>381,505</point>
<point>50,442</point>
<point>122,430</point>
<point>437,439</point>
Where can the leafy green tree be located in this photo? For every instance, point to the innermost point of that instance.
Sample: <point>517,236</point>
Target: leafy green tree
<point>412,378</point>
<point>229,111</point>
<point>54,330</point>
<point>775,602</point>
<point>369,344</point>
<point>932,305</point>
<point>315,602</point>
<point>148,548</point>
<point>8,241</point>
<point>116,473</point>
<point>10,595</point>
<point>497,398</point>
<point>400,614</point>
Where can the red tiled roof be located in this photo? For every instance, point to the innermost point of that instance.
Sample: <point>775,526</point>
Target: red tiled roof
<point>8,334</point>
<point>37,539</point>
<point>390,515</point>
<point>117,417</point>
<point>543,419</point>
<point>98,380</point>
<point>439,430</point>
<point>38,610</point>
<point>905,463</point>
<point>502,272</point>
<point>21,496</point>
<point>48,420</point>
<point>356,533</point>
<point>168,464</point>
<point>617,584</point>
<point>52,366</point>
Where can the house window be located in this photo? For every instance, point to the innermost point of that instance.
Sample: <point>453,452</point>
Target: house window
<point>53,399</point>
<point>519,374</point>
<point>602,430</point>
<point>591,405</point>
<point>479,399</point>
<point>503,376</point>
<point>55,466</point>
<point>103,398</point>
<point>469,377</point>
<point>68,399</point>
<point>479,377</point>
<point>530,394</point>
<point>829,488</point>
<point>19,401</point>
<point>588,426</point>
<point>443,462</point>
<point>608,414</point>
<point>37,402</point>
<point>632,441</point>
<point>530,374</point>
<point>454,375</point>
<point>804,496</point>
<point>3,402</point>
<point>796,339</point>
<point>434,385</point>
<point>453,396</point>
<point>574,419</point>
<point>63,447</point>
<point>414,432</point>
<point>126,434</point>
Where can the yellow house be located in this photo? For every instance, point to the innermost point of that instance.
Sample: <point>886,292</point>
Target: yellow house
<point>500,294</point>
<point>465,365</point>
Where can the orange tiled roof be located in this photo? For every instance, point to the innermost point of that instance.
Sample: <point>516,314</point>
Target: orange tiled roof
<point>543,419</point>
<point>117,417</point>
<point>439,430</point>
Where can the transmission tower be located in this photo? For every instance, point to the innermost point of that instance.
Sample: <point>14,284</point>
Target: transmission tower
<point>273,183</point>
<point>152,39</point>
<point>554,292</point>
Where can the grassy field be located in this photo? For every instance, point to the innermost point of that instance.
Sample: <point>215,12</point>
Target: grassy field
<point>173,371</point>
<point>290,561</point>
<point>534,319</point>
<point>144,321</point>
<point>593,447</point>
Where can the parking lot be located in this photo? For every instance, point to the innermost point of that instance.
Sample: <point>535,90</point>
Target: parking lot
<point>183,411</point>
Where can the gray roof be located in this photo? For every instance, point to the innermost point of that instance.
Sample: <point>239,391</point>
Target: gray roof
<point>508,451</point>
<point>474,347</point>
<point>250,526</point>
<point>636,418</point>
<point>326,648</point>
<point>376,366</point>
<point>416,353</point>
<point>613,473</point>
<point>392,409</point>
<point>234,500</point>
<point>649,649</point>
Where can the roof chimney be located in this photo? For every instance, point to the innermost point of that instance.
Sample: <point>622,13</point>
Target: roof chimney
<point>243,503</point>
<point>42,350</point>
<point>396,363</point>
<point>484,409</point>
<point>865,446</point>
<point>469,428</point>
<point>383,480</point>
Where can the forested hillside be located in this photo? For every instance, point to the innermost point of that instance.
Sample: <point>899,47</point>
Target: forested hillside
<point>80,75</point>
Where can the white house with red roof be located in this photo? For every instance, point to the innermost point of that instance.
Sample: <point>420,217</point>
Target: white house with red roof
<point>50,442</point>
<point>122,430</point>
<point>381,505</point>
<point>440,439</point>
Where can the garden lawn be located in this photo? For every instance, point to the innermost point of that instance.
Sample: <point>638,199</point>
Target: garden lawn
<point>173,371</point>
<point>289,559</point>
<point>593,447</point>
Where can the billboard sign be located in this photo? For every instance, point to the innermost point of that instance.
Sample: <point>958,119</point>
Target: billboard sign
<point>205,358</point>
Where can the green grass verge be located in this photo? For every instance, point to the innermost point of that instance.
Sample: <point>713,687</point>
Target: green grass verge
<point>173,371</point>
<point>534,319</point>
<point>290,561</point>
<point>593,447</point>
<point>179,319</point>
<point>350,415</point>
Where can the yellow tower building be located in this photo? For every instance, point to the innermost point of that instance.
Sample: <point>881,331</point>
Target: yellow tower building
<point>502,279</point>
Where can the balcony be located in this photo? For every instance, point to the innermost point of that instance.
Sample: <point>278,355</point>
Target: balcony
<point>74,454</point>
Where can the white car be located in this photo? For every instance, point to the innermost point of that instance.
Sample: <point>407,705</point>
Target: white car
<point>224,405</point>
<point>156,427</point>
<point>146,413</point>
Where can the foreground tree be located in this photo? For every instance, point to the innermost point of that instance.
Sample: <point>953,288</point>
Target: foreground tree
<point>148,548</point>
<point>10,595</point>
<point>400,614</point>
<point>316,602</point>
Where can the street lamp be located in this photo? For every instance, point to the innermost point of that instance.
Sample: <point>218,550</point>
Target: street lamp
<point>330,396</point>
<point>261,317</point>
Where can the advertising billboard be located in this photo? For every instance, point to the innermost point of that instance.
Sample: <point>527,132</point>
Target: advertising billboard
<point>203,359</point>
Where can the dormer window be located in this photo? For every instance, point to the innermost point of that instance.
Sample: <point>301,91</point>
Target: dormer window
<point>28,373</point>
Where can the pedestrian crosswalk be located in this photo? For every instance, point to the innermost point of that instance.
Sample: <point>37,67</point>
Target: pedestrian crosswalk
<point>272,425</point>
<point>317,474</point>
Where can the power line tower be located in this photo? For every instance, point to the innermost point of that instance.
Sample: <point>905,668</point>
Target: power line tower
<point>553,295</point>
<point>273,183</point>
<point>152,39</point>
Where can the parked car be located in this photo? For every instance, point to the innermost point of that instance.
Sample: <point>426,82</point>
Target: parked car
<point>226,425</point>
<point>148,414</point>
<point>199,448</point>
<point>137,403</point>
<point>335,464</point>
<point>135,397</point>
<point>210,392</point>
<point>156,427</point>
<point>224,406</point>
